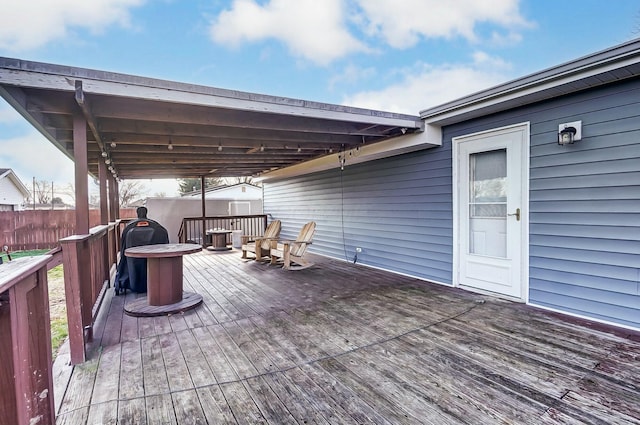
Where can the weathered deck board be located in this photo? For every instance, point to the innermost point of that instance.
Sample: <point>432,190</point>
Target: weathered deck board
<point>341,343</point>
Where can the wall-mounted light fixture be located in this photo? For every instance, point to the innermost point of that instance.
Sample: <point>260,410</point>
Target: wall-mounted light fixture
<point>569,132</point>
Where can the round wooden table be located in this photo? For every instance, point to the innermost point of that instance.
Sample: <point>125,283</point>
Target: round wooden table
<point>219,240</point>
<point>164,280</point>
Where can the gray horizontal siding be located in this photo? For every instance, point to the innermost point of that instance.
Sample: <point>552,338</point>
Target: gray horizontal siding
<point>398,210</point>
<point>584,206</point>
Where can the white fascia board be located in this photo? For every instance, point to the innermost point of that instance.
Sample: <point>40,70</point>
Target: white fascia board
<point>431,137</point>
<point>525,90</point>
<point>180,93</point>
<point>18,184</point>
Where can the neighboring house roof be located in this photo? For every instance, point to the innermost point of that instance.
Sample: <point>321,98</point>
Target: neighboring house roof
<point>239,191</point>
<point>607,66</point>
<point>8,173</point>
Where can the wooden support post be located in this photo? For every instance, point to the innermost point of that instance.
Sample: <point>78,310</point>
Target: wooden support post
<point>82,174</point>
<point>104,216</point>
<point>104,201</point>
<point>204,213</point>
<point>116,197</point>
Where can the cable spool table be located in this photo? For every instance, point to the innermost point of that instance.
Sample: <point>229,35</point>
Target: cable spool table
<point>164,280</point>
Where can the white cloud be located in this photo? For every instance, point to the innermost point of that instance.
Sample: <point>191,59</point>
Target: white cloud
<point>321,31</point>
<point>423,85</point>
<point>31,155</point>
<point>352,74</point>
<point>311,29</point>
<point>403,26</point>
<point>31,24</point>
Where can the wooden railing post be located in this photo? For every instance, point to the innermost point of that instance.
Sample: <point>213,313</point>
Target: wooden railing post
<point>77,278</point>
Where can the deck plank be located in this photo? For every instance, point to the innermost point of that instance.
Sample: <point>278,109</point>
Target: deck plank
<point>160,410</point>
<point>103,413</point>
<point>197,365</point>
<point>132,412</point>
<point>132,378</point>
<point>268,402</point>
<point>214,405</point>
<point>187,408</point>
<point>343,343</point>
<point>294,399</point>
<point>174,363</point>
<point>222,370</point>
<point>153,367</point>
<point>241,404</point>
<point>107,381</point>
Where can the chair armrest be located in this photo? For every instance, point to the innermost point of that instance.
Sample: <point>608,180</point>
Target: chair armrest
<point>275,242</point>
<point>250,238</point>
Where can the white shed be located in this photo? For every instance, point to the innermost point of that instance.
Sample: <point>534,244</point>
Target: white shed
<point>238,199</point>
<point>13,192</point>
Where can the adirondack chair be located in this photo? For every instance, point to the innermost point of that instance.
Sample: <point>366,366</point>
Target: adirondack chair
<point>260,245</point>
<point>290,253</point>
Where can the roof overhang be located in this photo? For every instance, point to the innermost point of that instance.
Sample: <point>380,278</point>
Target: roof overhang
<point>615,64</point>
<point>150,128</point>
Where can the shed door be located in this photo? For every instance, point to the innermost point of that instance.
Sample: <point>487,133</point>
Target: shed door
<point>491,203</point>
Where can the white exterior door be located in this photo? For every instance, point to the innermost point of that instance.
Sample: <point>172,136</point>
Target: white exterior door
<point>491,181</point>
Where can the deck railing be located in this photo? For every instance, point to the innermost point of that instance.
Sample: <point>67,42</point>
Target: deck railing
<point>89,262</point>
<point>26,381</point>
<point>191,228</point>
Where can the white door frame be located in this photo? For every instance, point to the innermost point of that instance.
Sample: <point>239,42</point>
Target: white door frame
<point>524,253</point>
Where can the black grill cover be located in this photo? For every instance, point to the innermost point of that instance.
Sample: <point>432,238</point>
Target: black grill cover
<point>132,272</point>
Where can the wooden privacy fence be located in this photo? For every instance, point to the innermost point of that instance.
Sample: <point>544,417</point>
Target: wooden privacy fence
<point>43,229</point>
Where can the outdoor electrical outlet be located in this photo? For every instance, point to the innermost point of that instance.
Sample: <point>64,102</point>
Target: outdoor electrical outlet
<point>358,249</point>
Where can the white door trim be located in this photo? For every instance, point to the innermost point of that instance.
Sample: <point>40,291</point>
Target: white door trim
<point>524,269</point>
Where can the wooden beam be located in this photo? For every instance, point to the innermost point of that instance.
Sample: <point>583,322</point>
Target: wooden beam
<point>85,106</point>
<point>112,127</point>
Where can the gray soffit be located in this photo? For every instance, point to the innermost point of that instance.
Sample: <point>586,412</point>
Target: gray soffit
<point>211,131</point>
<point>611,65</point>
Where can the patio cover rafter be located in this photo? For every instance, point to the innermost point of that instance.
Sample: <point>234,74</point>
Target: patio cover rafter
<point>157,128</point>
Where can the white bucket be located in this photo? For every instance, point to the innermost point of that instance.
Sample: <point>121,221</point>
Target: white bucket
<point>236,238</point>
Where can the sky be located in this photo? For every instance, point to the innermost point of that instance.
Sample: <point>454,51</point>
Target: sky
<point>392,55</point>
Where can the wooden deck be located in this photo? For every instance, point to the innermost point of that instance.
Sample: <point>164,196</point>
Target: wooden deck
<point>344,344</point>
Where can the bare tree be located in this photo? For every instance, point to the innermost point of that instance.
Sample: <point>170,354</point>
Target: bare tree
<point>130,190</point>
<point>191,185</point>
<point>69,191</point>
<point>42,190</point>
<point>245,179</point>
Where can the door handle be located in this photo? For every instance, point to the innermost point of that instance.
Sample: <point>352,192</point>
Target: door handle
<point>517,214</point>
